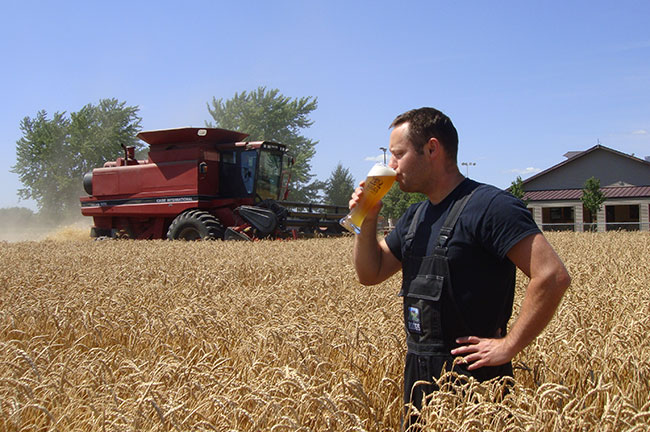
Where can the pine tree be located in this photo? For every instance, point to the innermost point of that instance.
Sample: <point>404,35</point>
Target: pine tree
<point>339,186</point>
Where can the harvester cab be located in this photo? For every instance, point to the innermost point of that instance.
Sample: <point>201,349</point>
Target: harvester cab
<point>200,183</point>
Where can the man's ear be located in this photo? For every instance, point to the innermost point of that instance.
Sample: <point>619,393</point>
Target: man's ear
<point>432,147</point>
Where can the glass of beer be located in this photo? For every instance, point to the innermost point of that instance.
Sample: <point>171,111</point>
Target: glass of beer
<point>378,182</point>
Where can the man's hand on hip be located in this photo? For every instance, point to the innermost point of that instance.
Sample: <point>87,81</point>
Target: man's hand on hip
<point>480,352</point>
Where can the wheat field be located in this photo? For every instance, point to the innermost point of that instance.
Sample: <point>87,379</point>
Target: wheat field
<point>279,336</point>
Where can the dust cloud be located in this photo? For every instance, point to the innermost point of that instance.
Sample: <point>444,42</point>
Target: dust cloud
<point>17,225</point>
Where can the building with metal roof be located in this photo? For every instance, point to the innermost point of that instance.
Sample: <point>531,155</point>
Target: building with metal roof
<point>554,195</point>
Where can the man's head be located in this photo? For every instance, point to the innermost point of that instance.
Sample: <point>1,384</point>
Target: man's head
<point>426,123</point>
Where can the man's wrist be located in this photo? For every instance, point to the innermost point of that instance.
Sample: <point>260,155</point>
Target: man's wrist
<point>512,346</point>
<point>370,223</point>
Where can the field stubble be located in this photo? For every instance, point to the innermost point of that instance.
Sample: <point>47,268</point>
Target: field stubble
<point>276,336</point>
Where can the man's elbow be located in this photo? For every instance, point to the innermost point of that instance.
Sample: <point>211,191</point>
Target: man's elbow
<point>554,280</point>
<point>367,280</point>
<point>561,279</point>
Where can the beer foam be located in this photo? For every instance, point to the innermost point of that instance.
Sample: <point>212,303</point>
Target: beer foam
<point>381,171</point>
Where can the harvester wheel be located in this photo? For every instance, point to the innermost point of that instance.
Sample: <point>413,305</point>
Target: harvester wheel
<point>195,225</point>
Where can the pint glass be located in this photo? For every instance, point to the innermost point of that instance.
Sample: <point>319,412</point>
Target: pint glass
<point>378,182</point>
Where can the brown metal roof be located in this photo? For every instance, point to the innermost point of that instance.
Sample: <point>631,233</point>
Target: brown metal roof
<point>575,194</point>
<point>553,195</point>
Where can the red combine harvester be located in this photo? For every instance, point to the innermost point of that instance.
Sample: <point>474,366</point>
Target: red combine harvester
<point>201,183</point>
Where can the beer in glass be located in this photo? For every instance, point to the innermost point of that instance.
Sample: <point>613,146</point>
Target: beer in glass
<point>378,182</point>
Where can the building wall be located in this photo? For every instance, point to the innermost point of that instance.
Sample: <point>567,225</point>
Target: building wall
<point>605,165</point>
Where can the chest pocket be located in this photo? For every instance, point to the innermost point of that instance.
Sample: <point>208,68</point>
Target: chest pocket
<point>426,287</point>
<point>423,277</point>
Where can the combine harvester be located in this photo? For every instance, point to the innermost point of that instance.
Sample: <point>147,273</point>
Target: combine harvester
<point>202,183</point>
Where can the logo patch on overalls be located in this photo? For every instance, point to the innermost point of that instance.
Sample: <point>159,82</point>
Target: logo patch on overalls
<point>414,322</point>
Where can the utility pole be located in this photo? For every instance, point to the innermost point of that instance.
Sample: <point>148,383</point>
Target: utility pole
<point>468,164</point>
<point>384,150</point>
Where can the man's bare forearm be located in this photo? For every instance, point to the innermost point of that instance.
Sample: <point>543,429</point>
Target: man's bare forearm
<point>549,280</point>
<point>367,254</point>
<point>540,303</point>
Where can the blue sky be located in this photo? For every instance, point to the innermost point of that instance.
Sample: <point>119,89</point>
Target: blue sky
<point>524,82</point>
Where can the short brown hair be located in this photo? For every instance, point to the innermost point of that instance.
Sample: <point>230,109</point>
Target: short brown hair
<point>425,123</point>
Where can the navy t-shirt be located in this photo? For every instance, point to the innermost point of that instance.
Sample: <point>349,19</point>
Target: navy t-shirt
<point>482,276</point>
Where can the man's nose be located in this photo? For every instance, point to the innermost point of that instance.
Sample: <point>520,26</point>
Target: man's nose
<point>392,163</point>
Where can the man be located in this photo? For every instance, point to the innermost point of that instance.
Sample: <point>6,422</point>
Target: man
<point>459,270</point>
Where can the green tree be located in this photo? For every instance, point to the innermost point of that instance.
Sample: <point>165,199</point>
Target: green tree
<point>396,202</point>
<point>339,186</point>
<point>269,115</point>
<point>517,188</point>
<point>98,132</point>
<point>592,197</point>
<point>53,154</point>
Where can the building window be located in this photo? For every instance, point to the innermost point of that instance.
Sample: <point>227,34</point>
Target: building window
<point>622,217</point>
<point>557,219</point>
<point>561,214</point>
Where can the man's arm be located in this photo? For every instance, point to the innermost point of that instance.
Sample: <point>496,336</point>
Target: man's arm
<point>373,260</point>
<point>549,280</point>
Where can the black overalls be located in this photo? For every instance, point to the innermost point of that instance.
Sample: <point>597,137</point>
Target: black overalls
<point>431,316</point>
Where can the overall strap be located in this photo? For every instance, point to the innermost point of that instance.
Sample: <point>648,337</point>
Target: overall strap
<point>408,239</point>
<point>452,218</point>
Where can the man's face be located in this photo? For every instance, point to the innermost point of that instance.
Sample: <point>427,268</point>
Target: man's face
<point>411,166</point>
